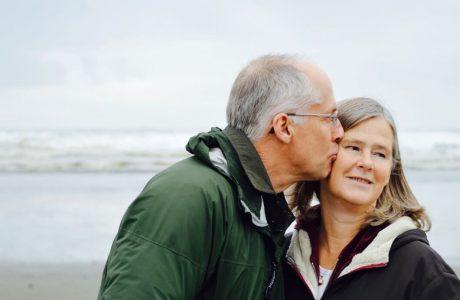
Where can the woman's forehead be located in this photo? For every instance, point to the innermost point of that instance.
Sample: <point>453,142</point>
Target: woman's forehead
<point>376,132</point>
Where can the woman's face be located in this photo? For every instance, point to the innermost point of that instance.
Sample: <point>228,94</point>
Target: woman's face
<point>363,164</point>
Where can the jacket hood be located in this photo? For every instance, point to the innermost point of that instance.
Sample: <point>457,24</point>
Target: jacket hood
<point>409,237</point>
<point>200,144</point>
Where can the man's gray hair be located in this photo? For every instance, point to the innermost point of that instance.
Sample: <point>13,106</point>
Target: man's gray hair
<point>267,86</point>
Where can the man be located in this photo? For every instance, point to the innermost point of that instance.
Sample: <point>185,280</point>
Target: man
<point>212,225</point>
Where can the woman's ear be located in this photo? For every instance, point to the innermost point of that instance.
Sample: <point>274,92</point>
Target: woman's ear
<point>282,128</point>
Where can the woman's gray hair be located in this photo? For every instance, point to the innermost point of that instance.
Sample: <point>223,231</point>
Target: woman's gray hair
<point>396,199</point>
<point>265,87</point>
<point>357,110</point>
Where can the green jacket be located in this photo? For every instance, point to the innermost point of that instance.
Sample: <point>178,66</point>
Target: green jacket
<point>201,231</point>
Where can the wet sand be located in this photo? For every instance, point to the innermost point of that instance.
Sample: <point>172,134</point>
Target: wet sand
<point>58,281</point>
<point>20,281</point>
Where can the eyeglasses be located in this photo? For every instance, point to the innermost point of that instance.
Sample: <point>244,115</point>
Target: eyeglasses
<point>332,117</point>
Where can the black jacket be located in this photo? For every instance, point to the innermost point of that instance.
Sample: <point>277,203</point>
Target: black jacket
<point>413,270</point>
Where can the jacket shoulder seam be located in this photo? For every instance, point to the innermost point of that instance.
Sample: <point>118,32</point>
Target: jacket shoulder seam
<point>162,246</point>
<point>443,275</point>
<point>230,261</point>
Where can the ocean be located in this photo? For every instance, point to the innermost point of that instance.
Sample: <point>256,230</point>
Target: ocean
<point>63,193</point>
<point>153,150</point>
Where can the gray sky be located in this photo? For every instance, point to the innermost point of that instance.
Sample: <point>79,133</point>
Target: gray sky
<point>138,64</point>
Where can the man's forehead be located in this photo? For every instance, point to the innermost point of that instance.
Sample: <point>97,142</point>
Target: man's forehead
<point>322,87</point>
<point>326,106</point>
<point>315,74</point>
<point>318,78</point>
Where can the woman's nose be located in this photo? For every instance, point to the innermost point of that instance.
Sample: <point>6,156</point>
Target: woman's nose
<point>365,161</point>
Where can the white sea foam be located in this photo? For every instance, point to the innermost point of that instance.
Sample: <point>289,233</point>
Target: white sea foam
<point>85,150</point>
<point>430,149</point>
<point>150,150</point>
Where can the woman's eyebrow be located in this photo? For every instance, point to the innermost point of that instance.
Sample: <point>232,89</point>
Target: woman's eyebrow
<point>353,141</point>
<point>380,146</point>
<point>359,142</point>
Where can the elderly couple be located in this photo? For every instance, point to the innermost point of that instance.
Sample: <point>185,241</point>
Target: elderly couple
<point>213,225</point>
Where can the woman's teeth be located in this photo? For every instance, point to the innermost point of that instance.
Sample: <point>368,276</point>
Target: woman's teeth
<point>361,180</point>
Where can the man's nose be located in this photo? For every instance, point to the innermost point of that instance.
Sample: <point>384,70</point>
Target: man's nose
<point>337,132</point>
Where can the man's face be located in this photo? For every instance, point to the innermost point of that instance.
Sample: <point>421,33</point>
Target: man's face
<point>315,145</point>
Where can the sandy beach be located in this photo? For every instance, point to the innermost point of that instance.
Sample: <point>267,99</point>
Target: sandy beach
<point>57,281</point>
<point>72,281</point>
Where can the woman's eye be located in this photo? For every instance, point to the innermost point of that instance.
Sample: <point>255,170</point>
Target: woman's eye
<point>354,148</point>
<point>379,154</point>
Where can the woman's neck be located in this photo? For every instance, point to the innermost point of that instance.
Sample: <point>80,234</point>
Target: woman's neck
<point>340,222</point>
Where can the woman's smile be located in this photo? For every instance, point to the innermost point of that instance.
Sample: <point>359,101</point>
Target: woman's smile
<point>360,180</point>
<point>363,164</point>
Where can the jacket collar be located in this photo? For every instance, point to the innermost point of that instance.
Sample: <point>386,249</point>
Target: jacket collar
<point>273,207</point>
<point>378,252</point>
<point>259,217</point>
<point>302,257</point>
<point>255,193</point>
<point>250,160</point>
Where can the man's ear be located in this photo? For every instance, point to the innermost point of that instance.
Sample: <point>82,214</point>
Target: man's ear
<point>283,128</point>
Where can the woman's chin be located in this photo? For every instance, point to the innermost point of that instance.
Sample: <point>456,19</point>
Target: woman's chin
<point>358,200</point>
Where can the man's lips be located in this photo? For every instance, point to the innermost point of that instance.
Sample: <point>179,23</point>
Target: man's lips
<point>333,156</point>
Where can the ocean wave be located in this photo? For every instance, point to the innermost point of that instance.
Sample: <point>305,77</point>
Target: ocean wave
<point>152,151</point>
<point>430,149</point>
<point>90,150</point>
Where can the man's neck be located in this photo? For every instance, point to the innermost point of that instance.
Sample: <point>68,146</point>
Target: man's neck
<point>278,169</point>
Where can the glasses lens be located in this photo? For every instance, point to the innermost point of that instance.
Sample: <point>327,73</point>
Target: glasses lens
<point>336,118</point>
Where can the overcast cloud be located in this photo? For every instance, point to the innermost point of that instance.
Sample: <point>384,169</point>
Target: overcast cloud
<point>150,64</point>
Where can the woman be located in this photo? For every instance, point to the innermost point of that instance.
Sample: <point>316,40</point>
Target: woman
<point>365,240</point>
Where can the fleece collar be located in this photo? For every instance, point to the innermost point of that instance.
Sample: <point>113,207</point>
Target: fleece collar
<point>298,256</point>
<point>376,254</point>
<point>378,251</point>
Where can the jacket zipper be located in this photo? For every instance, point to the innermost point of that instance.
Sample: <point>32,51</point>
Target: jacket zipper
<point>272,280</point>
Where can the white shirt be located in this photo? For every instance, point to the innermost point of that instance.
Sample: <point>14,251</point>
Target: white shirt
<point>326,275</point>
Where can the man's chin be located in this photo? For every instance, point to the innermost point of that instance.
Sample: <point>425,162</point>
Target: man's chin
<point>327,172</point>
<point>321,175</point>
